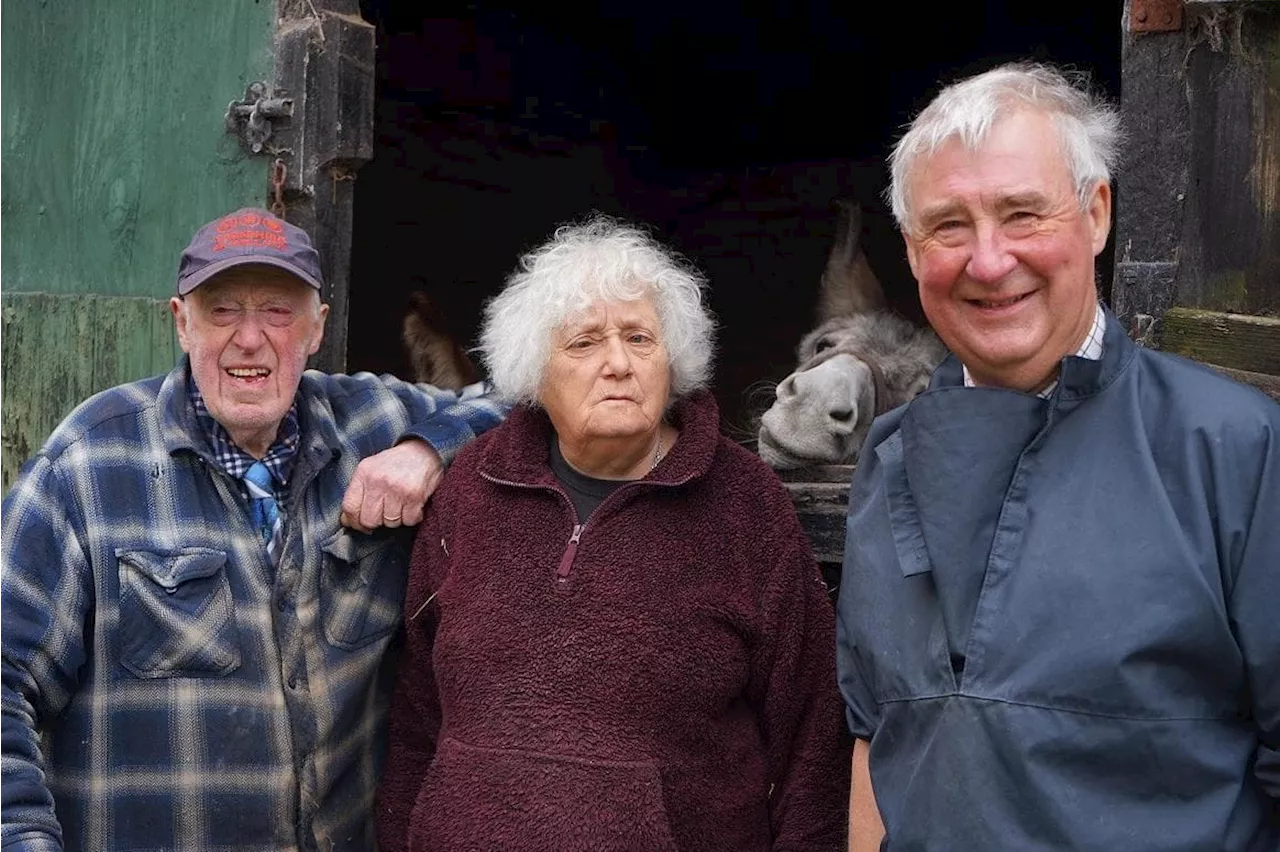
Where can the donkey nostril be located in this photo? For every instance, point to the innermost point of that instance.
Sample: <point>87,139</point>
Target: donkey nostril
<point>841,415</point>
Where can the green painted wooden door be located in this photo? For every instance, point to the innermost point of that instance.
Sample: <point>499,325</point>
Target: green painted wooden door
<point>114,152</point>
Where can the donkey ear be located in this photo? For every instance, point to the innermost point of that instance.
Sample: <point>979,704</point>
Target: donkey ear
<point>849,286</point>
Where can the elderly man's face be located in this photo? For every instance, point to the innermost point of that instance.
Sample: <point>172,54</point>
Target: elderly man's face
<point>608,375</point>
<point>249,331</point>
<point>1003,253</point>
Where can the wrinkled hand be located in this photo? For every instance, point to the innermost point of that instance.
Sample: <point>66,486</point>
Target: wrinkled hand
<point>391,488</point>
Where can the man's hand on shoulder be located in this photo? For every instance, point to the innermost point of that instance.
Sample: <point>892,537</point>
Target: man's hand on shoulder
<point>391,488</point>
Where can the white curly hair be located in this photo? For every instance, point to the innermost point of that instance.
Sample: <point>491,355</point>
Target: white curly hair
<point>601,258</point>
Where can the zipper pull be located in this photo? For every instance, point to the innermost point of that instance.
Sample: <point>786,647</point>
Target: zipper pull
<point>571,550</point>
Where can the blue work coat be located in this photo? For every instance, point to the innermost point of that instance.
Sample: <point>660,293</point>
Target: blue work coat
<point>1059,619</point>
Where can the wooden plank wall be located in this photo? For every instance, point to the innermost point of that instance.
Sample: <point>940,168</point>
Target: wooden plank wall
<point>114,146</point>
<point>1198,196</point>
<point>58,350</point>
<point>1230,247</point>
<point>1227,295</point>
<point>114,151</point>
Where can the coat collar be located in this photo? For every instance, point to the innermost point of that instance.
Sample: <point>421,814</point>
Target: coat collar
<point>1078,378</point>
<point>178,422</point>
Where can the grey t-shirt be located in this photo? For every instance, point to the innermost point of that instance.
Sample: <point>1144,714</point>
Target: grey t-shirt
<point>586,492</point>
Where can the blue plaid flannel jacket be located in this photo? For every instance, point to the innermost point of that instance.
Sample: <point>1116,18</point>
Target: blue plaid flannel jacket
<point>163,687</point>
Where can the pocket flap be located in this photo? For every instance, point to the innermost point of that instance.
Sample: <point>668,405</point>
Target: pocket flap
<point>361,587</point>
<point>170,570</point>
<point>350,546</point>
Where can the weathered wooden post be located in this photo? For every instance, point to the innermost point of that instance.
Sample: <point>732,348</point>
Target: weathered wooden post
<point>1198,197</point>
<point>324,60</point>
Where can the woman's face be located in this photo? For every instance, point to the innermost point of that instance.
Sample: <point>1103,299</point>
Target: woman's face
<point>608,375</point>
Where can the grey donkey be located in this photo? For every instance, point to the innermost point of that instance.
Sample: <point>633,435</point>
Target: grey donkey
<point>859,362</point>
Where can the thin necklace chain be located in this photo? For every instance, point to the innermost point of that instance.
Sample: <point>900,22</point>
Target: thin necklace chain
<point>657,454</point>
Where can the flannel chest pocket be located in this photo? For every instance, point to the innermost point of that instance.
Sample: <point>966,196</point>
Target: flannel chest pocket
<point>362,587</point>
<point>177,616</point>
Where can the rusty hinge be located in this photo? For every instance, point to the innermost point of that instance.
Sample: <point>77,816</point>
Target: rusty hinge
<point>252,117</point>
<point>1155,16</point>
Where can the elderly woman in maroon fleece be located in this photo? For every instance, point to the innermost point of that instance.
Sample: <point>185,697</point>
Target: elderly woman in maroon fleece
<point>617,636</point>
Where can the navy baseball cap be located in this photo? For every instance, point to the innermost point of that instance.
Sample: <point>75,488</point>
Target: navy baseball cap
<point>249,235</point>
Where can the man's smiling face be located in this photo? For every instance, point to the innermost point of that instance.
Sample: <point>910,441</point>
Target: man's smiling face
<point>1003,253</point>
<point>248,332</point>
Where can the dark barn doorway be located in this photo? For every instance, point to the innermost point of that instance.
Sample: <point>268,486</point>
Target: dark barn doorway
<point>729,131</point>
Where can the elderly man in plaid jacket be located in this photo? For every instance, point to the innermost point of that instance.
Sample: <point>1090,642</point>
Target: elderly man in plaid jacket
<point>203,572</point>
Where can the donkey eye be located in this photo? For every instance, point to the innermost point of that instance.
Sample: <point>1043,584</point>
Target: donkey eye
<point>822,344</point>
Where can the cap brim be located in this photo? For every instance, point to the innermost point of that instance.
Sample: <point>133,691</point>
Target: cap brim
<point>195,279</point>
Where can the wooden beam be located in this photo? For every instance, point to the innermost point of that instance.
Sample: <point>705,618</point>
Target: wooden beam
<point>1237,341</point>
<point>819,473</point>
<point>1152,187</point>
<point>821,495</point>
<point>324,54</point>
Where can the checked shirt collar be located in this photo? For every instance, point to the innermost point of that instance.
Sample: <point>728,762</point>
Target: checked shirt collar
<point>235,461</point>
<point>1091,349</point>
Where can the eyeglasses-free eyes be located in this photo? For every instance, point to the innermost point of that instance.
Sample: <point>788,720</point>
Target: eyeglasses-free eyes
<point>274,314</point>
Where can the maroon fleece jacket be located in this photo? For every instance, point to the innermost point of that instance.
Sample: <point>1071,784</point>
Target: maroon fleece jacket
<point>666,682</point>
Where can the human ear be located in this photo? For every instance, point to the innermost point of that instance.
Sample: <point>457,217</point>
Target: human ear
<point>1099,211</point>
<point>180,320</point>
<point>317,336</point>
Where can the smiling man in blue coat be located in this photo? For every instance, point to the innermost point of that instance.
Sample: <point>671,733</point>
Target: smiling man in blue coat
<point>1059,624</point>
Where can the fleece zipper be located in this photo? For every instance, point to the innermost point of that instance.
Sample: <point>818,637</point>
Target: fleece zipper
<point>570,551</point>
<point>570,554</point>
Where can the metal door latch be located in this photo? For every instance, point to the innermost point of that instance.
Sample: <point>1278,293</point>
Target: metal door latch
<point>252,117</point>
<point>1155,16</point>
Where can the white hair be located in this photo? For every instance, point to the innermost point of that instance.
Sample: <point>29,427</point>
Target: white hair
<point>1088,127</point>
<point>599,259</point>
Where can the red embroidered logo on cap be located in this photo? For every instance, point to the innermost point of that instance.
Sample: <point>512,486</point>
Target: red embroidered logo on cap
<point>250,231</point>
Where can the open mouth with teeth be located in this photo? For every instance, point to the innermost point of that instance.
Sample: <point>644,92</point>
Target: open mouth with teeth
<point>248,372</point>
<point>996,304</point>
